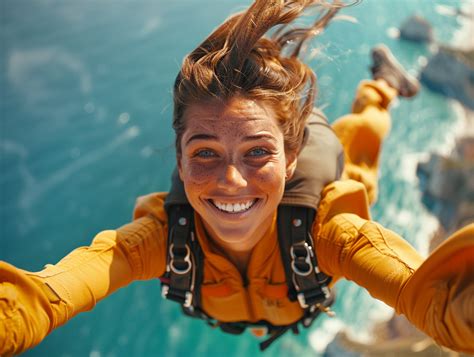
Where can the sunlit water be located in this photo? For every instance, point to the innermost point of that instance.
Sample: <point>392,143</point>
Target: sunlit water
<point>85,129</point>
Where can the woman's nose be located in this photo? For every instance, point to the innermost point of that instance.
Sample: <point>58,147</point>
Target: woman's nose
<point>232,179</point>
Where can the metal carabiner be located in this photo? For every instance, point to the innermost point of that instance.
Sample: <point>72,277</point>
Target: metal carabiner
<point>186,259</point>
<point>307,260</point>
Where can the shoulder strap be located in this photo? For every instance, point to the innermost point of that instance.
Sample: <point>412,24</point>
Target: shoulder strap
<point>320,162</point>
<point>176,196</point>
<point>306,283</point>
<point>179,279</point>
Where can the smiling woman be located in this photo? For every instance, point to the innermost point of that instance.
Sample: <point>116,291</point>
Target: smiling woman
<point>233,165</point>
<point>236,256</point>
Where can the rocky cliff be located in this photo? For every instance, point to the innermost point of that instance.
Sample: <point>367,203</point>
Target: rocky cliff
<point>451,72</point>
<point>447,186</point>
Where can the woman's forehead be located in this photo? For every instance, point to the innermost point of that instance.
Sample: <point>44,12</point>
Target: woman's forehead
<point>235,118</point>
<point>234,113</point>
<point>236,107</point>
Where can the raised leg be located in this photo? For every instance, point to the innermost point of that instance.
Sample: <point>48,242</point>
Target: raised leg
<point>363,131</point>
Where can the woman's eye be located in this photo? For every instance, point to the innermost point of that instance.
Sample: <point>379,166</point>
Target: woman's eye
<point>258,152</point>
<point>205,153</point>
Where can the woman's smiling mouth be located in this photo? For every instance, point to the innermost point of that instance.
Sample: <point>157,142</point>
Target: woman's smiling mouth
<point>233,207</point>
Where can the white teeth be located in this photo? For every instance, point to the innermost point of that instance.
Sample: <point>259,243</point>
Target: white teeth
<point>234,207</point>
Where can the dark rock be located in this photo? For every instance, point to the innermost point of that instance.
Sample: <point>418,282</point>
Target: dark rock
<point>466,56</point>
<point>447,184</point>
<point>416,29</point>
<point>447,74</point>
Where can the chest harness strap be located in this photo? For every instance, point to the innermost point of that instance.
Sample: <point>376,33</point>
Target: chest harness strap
<point>184,269</point>
<point>179,281</point>
<point>306,283</point>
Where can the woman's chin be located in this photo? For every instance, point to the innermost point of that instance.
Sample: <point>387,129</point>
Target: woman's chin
<point>236,238</point>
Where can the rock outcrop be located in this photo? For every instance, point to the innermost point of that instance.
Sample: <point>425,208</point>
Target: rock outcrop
<point>451,72</point>
<point>416,29</point>
<point>447,184</point>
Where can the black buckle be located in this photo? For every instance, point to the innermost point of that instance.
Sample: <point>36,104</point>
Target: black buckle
<point>186,299</point>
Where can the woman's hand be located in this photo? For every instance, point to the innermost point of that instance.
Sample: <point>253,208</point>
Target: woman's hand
<point>25,311</point>
<point>439,297</point>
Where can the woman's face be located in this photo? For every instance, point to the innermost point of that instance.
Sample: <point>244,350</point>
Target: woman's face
<point>233,166</point>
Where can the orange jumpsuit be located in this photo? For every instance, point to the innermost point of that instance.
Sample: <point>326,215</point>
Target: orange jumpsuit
<point>436,294</point>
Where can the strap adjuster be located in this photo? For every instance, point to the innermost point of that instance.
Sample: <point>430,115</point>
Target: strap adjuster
<point>164,290</point>
<point>301,255</point>
<point>302,300</point>
<point>175,295</point>
<point>186,260</point>
<point>188,299</point>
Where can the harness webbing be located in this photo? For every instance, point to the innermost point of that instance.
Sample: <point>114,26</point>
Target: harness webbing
<point>305,281</point>
<point>179,281</point>
<point>184,269</point>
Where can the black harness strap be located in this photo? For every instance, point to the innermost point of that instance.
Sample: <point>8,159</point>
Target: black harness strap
<point>185,266</point>
<point>306,283</point>
<point>184,271</point>
<point>178,283</point>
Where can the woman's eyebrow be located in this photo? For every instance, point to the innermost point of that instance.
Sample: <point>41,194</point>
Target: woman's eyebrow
<point>259,137</point>
<point>201,137</point>
<point>246,138</point>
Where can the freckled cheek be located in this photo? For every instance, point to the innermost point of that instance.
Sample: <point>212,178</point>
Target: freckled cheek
<point>198,174</point>
<point>269,178</point>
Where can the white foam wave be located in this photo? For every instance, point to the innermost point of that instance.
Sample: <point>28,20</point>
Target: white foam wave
<point>463,37</point>
<point>465,122</point>
<point>123,118</point>
<point>150,26</point>
<point>425,232</point>
<point>12,147</point>
<point>319,339</point>
<point>393,32</point>
<point>422,61</point>
<point>147,151</point>
<point>409,162</point>
<point>29,220</point>
<point>422,225</point>
<point>445,10</point>
<point>377,312</point>
<point>32,192</point>
<point>25,71</point>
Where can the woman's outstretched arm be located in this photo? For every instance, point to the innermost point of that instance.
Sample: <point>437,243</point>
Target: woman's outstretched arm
<point>436,294</point>
<point>33,304</point>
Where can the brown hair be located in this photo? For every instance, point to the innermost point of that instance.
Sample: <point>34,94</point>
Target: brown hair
<point>236,59</point>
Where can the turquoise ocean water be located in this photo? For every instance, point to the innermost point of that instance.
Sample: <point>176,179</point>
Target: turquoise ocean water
<point>85,129</point>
